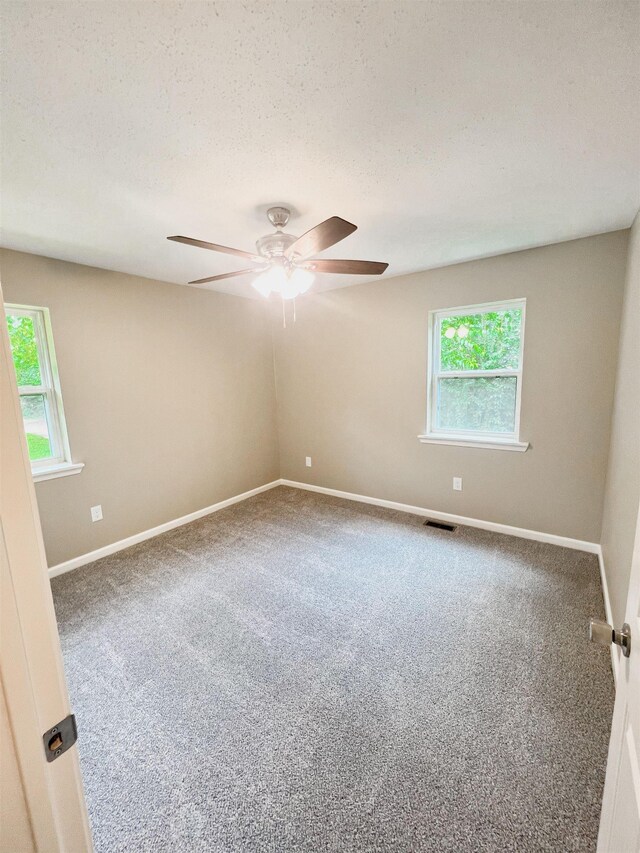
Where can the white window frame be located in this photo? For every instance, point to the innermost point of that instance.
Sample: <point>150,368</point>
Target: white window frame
<point>59,464</point>
<point>462,437</point>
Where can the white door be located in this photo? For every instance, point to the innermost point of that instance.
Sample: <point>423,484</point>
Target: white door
<point>43,806</point>
<point>620,821</point>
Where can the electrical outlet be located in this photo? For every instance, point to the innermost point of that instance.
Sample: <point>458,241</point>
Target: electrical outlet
<point>307,461</point>
<point>457,484</point>
<point>96,513</point>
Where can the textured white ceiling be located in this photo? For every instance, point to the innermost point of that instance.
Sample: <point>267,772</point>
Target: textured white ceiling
<point>445,131</point>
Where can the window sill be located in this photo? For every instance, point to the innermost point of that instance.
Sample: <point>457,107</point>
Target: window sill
<point>64,469</point>
<point>466,441</point>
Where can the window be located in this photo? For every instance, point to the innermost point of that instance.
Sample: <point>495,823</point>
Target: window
<point>475,375</point>
<point>39,390</point>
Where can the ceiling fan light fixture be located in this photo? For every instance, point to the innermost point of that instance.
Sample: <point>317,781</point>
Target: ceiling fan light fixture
<point>298,282</point>
<point>265,282</point>
<point>288,283</point>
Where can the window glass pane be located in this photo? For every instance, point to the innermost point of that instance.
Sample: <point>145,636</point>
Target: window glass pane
<point>488,341</point>
<point>24,350</point>
<point>34,415</point>
<point>486,404</point>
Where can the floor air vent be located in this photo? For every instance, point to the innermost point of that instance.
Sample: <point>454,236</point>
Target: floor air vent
<point>440,525</point>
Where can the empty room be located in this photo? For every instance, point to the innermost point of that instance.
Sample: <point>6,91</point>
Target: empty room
<point>320,426</point>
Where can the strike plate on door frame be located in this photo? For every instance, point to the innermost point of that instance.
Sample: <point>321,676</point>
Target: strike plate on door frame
<point>60,738</point>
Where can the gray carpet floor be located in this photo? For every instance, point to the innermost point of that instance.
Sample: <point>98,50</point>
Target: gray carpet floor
<point>302,673</point>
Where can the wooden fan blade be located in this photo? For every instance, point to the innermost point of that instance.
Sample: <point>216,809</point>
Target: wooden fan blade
<point>202,244</point>
<point>326,234</point>
<point>224,275</point>
<point>345,267</point>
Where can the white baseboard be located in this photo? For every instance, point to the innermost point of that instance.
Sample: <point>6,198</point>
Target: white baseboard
<point>523,533</point>
<point>83,559</point>
<point>615,651</point>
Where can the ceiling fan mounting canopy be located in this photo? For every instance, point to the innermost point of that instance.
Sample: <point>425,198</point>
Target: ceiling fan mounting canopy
<point>288,259</point>
<point>278,216</point>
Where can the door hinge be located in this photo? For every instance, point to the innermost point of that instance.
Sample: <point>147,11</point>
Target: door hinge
<point>60,738</point>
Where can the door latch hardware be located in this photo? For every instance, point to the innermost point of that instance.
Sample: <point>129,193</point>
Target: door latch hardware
<point>59,738</point>
<point>603,634</point>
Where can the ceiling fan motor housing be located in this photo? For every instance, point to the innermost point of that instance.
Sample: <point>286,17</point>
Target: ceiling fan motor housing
<point>274,245</point>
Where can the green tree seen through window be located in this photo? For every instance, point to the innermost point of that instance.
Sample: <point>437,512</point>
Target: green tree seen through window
<point>24,350</point>
<point>489,341</point>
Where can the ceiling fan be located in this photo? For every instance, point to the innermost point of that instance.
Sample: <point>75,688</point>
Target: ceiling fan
<point>283,263</point>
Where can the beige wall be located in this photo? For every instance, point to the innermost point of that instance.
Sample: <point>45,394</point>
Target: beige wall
<point>351,386</point>
<point>168,393</point>
<point>623,476</point>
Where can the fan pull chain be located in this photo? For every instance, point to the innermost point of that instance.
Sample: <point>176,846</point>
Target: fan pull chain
<point>284,312</point>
